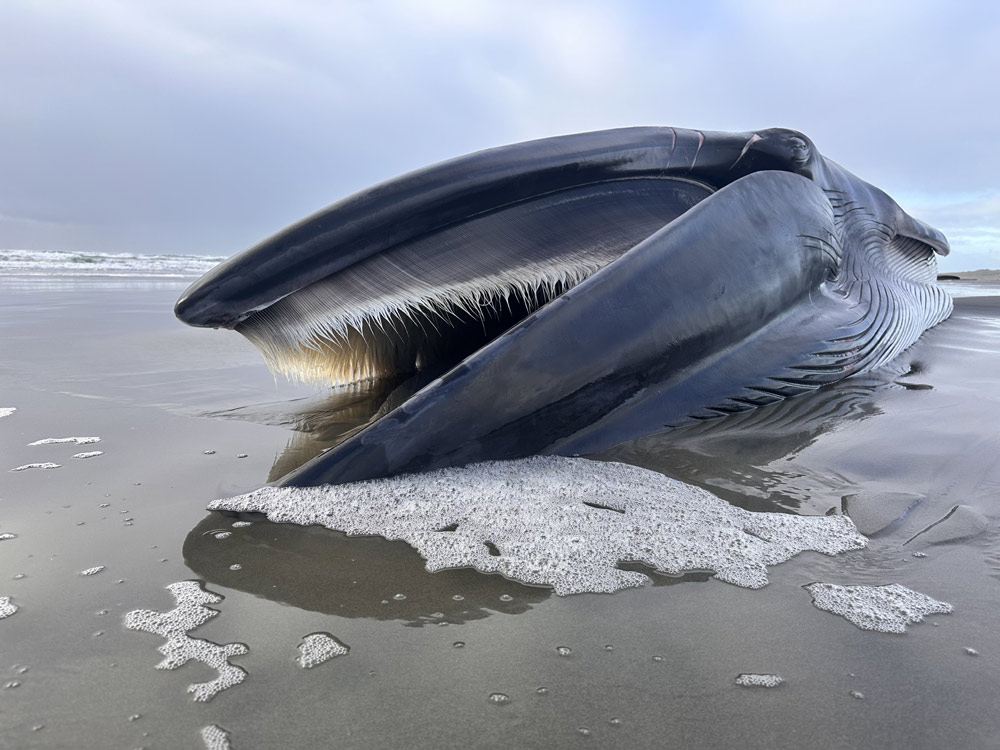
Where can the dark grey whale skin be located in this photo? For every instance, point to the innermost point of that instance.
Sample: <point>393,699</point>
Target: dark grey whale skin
<point>791,274</point>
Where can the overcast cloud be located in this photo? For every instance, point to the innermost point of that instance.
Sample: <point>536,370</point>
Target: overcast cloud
<point>201,127</point>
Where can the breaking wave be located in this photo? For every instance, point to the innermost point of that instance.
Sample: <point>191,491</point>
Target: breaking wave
<point>64,263</point>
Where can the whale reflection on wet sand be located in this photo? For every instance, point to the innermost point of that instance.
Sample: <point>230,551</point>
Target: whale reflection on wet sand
<point>323,571</point>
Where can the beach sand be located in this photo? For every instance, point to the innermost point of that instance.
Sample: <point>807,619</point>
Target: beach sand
<point>187,416</point>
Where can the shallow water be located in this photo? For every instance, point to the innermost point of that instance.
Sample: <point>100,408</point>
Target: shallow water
<point>175,408</point>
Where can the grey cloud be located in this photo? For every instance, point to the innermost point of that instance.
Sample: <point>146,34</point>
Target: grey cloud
<point>201,127</point>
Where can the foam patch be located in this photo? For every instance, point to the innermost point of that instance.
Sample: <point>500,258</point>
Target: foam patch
<point>74,440</point>
<point>180,648</point>
<point>318,648</point>
<point>886,609</point>
<point>560,522</point>
<point>7,608</point>
<point>215,738</point>
<point>759,680</point>
<point>45,465</point>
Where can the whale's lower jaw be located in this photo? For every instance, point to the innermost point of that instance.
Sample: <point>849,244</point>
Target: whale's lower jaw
<point>579,292</point>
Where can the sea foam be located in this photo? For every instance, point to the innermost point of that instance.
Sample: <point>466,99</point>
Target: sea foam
<point>886,609</point>
<point>7,608</point>
<point>748,679</point>
<point>180,648</point>
<point>74,440</point>
<point>215,738</point>
<point>319,648</point>
<point>43,465</point>
<point>560,522</point>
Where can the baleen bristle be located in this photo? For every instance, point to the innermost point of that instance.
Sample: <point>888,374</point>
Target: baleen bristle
<point>377,319</point>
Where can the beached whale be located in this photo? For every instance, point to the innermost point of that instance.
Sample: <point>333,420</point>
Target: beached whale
<point>576,292</point>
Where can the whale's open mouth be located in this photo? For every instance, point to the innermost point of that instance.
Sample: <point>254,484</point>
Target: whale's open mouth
<point>417,273</point>
<point>427,303</point>
<point>328,333</point>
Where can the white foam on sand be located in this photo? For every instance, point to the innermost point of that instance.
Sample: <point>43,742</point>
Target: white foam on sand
<point>6,607</point>
<point>6,411</point>
<point>318,648</point>
<point>759,680</point>
<point>560,522</point>
<point>45,465</point>
<point>88,454</point>
<point>77,440</point>
<point>886,609</point>
<point>180,648</point>
<point>215,738</point>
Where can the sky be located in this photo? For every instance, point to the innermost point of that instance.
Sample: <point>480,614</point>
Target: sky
<point>200,127</point>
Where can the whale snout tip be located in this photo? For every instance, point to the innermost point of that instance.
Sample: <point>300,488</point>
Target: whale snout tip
<point>196,308</point>
<point>187,310</point>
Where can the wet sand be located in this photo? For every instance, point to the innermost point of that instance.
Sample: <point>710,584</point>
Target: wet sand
<point>104,357</point>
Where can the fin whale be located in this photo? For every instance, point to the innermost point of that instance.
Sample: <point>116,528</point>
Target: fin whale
<point>572,293</point>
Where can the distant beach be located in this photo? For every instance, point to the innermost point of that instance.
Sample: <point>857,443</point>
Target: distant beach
<point>984,282</point>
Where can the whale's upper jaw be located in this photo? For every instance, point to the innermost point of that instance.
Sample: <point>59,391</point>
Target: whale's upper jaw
<point>452,192</point>
<point>368,286</point>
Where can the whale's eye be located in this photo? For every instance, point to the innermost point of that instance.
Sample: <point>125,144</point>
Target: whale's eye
<point>799,147</point>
